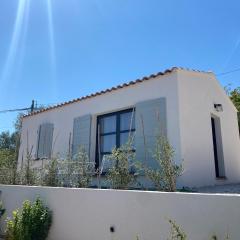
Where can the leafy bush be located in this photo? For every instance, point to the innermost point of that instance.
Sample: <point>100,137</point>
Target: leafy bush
<point>165,176</point>
<point>84,169</point>
<point>120,175</point>
<point>32,222</point>
<point>8,166</point>
<point>50,173</point>
<point>27,175</point>
<point>176,232</point>
<point>76,171</point>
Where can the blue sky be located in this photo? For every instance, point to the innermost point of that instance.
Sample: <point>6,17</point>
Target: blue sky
<point>53,51</point>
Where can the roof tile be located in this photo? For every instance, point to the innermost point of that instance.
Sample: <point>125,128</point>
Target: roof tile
<point>111,89</point>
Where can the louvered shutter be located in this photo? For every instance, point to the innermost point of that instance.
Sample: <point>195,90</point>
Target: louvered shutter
<point>151,121</point>
<point>40,142</point>
<point>45,138</point>
<point>81,134</point>
<point>48,140</point>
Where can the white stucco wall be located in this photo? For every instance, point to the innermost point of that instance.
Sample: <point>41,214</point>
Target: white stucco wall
<point>88,214</point>
<point>197,95</point>
<point>62,118</point>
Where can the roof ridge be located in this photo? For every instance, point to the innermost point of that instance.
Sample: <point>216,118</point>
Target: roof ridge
<point>133,82</point>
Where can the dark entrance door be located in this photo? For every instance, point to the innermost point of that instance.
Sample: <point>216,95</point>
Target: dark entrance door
<point>215,147</point>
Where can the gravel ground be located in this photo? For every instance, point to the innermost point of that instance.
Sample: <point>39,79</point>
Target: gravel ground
<point>228,188</point>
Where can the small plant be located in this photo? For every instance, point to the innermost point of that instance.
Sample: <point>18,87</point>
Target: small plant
<point>8,166</point>
<point>26,174</point>
<point>76,171</point>
<point>32,222</point>
<point>176,232</point>
<point>84,168</point>
<point>165,176</point>
<point>120,175</point>
<point>66,171</point>
<point>50,175</point>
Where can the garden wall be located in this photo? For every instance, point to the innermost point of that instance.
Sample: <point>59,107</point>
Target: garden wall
<point>88,214</point>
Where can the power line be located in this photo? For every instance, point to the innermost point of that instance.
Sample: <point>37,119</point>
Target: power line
<point>15,110</point>
<point>31,108</point>
<point>231,71</point>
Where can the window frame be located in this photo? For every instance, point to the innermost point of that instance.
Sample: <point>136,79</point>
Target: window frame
<point>117,132</point>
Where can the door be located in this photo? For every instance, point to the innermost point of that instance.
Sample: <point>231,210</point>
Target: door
<point>217,147</point>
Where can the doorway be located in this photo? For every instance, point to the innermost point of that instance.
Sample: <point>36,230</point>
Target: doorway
<point>217,147</point>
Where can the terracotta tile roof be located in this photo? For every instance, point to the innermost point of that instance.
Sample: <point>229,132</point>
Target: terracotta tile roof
<point>112,89</point>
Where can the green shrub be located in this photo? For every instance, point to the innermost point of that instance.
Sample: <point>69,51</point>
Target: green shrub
<point>50,175</point>
<point>76,171</point>
<point>32,222</point>
<point>84,168</point>
<point>165,176</point>
<point>120,175</point>
<point>27,175</point>
<point>176,232</point>
<point>8,166</point>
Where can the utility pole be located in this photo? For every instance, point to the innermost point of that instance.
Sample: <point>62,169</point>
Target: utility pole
<point>32,106</point>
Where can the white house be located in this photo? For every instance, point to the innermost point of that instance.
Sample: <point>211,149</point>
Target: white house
<point>189,107</point>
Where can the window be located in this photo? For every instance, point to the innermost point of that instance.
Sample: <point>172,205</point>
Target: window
<point>45,136</point>
<point>113,130</point>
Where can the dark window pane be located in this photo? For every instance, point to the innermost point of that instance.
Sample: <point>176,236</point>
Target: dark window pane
<point>108,124</point>
<point>127,121</point>
<point>125,137</point>
<point>108,142</point>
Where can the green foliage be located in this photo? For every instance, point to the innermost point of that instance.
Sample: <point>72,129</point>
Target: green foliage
<point>18,123</point>
<point>7,140</point>
<point>235,97</point>
<point>26,174</point>
<point>7,158</point>
<point>50,173</point>
<point>165,176</point>
<point>68,172</point>
<point>84,168</point>
<point>8,166</point>
<point>123,161</point>
<point>9,146</point>
<point>32,222</point>
<point>176,232</point>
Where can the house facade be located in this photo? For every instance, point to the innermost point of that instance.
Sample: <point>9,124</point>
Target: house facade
<point>189,107</point>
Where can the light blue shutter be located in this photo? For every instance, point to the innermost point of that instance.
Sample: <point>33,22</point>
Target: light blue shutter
<point>81,134</point>
<point>40,142</point>
<point>151,121</point>
<point>48,140</point>
<point>45,138</point>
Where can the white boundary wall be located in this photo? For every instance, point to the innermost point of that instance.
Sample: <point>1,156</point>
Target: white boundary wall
<point>87,214</point>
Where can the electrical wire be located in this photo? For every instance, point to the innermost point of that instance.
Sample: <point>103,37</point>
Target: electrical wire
<point>231,71</point>
<point>14,110</point>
